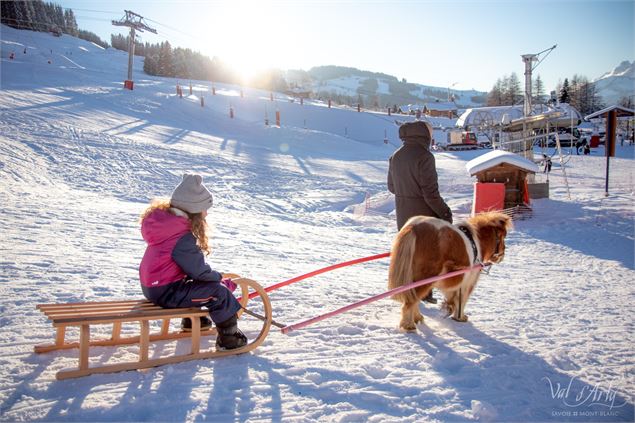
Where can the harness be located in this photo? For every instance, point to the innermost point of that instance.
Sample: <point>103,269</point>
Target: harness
<point>469,236</point>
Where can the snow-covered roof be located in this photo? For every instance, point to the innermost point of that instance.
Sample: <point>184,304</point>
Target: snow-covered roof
<point>491,116</point>
<point>621,111</point>
<point>496,157</point>
<point>441,105</point>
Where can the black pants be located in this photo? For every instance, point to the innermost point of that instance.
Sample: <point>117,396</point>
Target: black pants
<point>219,300</point>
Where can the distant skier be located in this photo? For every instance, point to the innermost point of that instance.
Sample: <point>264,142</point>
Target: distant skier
<point>547,161</point>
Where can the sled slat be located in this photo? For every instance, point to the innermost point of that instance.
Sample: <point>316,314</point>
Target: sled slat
<point>115,313</point>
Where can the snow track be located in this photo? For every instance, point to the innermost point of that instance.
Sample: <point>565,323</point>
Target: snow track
<point>80,158</point>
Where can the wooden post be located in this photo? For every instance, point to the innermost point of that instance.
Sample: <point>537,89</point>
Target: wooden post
<point>116,330</point>
<point>144,340</point>
<point>60,335</point>
<point>611,126</point>
<point>277,117</point>
<point>609,144</point>
<point>165,327</point>
<point>196,334</point>
<point>84,344</point>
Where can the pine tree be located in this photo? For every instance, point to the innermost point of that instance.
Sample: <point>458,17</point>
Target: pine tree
<point>495,96</point>
<point>150,64</point>
<point>70,23</point>
<point>564,92</point>
<point>514,95</point>
<point>539,90</point>
<point>166,67</point>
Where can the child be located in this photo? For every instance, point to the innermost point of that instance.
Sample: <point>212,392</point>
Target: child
<point>173,271</point>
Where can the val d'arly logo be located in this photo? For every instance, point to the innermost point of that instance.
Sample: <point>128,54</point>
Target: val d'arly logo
<point>577,393</point>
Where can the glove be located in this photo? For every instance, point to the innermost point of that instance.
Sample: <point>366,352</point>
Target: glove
<point>229,284</point>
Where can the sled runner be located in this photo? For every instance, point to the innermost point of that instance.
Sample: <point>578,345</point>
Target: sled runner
<point>115,313</point>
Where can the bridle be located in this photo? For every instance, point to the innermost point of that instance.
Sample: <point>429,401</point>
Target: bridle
<point>497,253</point>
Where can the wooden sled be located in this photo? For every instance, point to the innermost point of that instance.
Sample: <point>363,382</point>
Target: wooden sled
<point>83,315</point>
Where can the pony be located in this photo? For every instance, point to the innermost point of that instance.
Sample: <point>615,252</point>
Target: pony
<point>427,247</point>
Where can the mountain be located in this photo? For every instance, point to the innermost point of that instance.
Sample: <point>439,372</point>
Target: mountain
<point>617,84</point>
<point>375,87</point>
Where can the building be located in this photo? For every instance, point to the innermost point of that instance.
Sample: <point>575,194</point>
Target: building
<point>441,109</point>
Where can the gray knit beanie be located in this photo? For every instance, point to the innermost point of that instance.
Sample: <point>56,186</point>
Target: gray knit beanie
<point>191,195</point>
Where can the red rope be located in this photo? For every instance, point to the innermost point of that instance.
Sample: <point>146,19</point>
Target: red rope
<point>403,288</point>
<point>319,271</point>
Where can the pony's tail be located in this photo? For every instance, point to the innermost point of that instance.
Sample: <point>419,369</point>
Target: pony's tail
<point>401,272</point>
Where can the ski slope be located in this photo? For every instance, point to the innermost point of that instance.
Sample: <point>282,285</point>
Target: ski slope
<point>550,334</point>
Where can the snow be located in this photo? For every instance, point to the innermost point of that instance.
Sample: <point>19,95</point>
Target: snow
<point>495,115</point>
<point>550,334</point>
<point>496,157</point>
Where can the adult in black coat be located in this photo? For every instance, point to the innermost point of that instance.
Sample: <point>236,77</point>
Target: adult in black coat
<point>412,177</point>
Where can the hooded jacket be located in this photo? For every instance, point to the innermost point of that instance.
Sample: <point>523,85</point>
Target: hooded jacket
<point>172,253</point>
<point>412,176</point>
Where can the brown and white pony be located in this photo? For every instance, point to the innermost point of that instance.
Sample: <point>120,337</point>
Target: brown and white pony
<point>427,247</point>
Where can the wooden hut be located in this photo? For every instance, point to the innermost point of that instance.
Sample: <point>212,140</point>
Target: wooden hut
<point>501,180</point>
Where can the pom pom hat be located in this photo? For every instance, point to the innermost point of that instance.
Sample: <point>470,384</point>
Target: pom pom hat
<point>191,195</point>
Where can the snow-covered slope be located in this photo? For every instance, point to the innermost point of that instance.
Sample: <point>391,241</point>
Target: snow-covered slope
<point>551,328</point>
<point>617,84</point>
<point>329,80</point>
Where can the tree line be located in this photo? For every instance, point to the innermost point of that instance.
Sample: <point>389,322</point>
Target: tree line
<point>36,15</point>
<point>578,92</point>
<point>161,59</point>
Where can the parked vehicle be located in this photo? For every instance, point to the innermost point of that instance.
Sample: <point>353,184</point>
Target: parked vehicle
<point>567,136</point>
<point>461,140</point>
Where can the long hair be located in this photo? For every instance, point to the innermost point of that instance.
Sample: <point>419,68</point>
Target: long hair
<point>198,224</point>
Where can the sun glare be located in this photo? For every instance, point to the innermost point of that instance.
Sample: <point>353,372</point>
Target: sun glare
<point>250,36</point>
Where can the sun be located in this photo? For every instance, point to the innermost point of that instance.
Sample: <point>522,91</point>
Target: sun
<point>250,37</point>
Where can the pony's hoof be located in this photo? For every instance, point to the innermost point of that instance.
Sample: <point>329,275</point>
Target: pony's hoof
<point>408,327</point>
<point>460,319</point>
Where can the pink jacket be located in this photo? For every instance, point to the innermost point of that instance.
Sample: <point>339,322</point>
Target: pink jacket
<point>161,230</point>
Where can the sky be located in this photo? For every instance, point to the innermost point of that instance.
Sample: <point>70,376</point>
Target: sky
<point>459,44</point>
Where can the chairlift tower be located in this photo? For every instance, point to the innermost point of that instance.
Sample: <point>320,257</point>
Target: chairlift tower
<point>135,23</point>
<point>529,59</point>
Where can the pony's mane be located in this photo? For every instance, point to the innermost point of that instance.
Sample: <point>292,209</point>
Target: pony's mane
<point>491,219</point>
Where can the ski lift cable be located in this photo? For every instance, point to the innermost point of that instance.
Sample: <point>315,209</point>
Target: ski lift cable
<point>171,28</point>
<point>91,10</point>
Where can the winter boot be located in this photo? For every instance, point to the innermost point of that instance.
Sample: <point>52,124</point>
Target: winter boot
<point>229,336</point>
<point>186,324</point>
<point>430,298</point>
